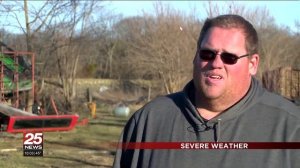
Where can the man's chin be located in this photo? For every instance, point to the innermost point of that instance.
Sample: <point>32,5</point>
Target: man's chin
<point>212,95</point>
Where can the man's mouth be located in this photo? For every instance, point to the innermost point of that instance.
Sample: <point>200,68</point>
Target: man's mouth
<point>215,76</point>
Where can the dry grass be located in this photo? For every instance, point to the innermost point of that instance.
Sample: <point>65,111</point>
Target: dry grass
<point>85,146</point>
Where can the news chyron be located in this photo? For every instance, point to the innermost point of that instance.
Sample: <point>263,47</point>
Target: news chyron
<point>32,144</point>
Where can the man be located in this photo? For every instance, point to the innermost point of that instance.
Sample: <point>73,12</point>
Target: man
<point>223,103</point>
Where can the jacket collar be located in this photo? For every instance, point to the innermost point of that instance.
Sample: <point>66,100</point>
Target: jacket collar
<point>253,95</point>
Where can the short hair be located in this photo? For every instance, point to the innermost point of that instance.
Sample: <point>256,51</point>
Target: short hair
<point>233,21</point>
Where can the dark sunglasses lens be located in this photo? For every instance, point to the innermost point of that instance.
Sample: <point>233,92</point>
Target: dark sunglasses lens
<point>207,55</point>
<point>228,58</point>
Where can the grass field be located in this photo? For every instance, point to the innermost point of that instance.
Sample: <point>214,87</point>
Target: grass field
<point>85,146</point>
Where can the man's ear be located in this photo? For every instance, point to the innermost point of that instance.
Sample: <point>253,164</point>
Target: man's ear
<point>253,64</point>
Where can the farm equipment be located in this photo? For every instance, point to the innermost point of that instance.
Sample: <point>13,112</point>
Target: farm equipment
<point>17,95</point>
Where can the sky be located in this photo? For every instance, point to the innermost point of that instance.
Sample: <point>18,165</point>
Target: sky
<point>284,12</point>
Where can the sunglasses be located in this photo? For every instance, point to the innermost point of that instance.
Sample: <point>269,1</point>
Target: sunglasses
<point>227,58</point>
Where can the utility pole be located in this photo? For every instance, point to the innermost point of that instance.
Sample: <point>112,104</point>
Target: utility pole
<point>29,97</point>
<point>28,32</point>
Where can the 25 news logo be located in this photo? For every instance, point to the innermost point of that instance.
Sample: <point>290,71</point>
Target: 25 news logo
<point>32,144</point>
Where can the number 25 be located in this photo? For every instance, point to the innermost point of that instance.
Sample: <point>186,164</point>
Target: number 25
<point>35,138</point>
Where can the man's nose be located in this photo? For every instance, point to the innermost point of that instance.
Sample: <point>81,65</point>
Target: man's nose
<point>217,62</point>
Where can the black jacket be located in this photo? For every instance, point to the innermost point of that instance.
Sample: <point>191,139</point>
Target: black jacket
<point>260,116</point>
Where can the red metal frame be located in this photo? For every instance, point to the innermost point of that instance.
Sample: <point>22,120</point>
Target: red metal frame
<point>2,82</point>
<point>13,119</point>
<point>15,57</point>
<point>30,122</point>
<point>54,105</point>
<point>16,81</point>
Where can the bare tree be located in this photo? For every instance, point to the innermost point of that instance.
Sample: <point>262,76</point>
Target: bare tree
<point>57,31</point>
<point>68,44</point>
<point>161,46</point>
<point>278,48</point>
<point>31,17</point>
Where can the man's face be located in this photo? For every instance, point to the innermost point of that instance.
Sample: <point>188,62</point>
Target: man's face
<point>216,80</point>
